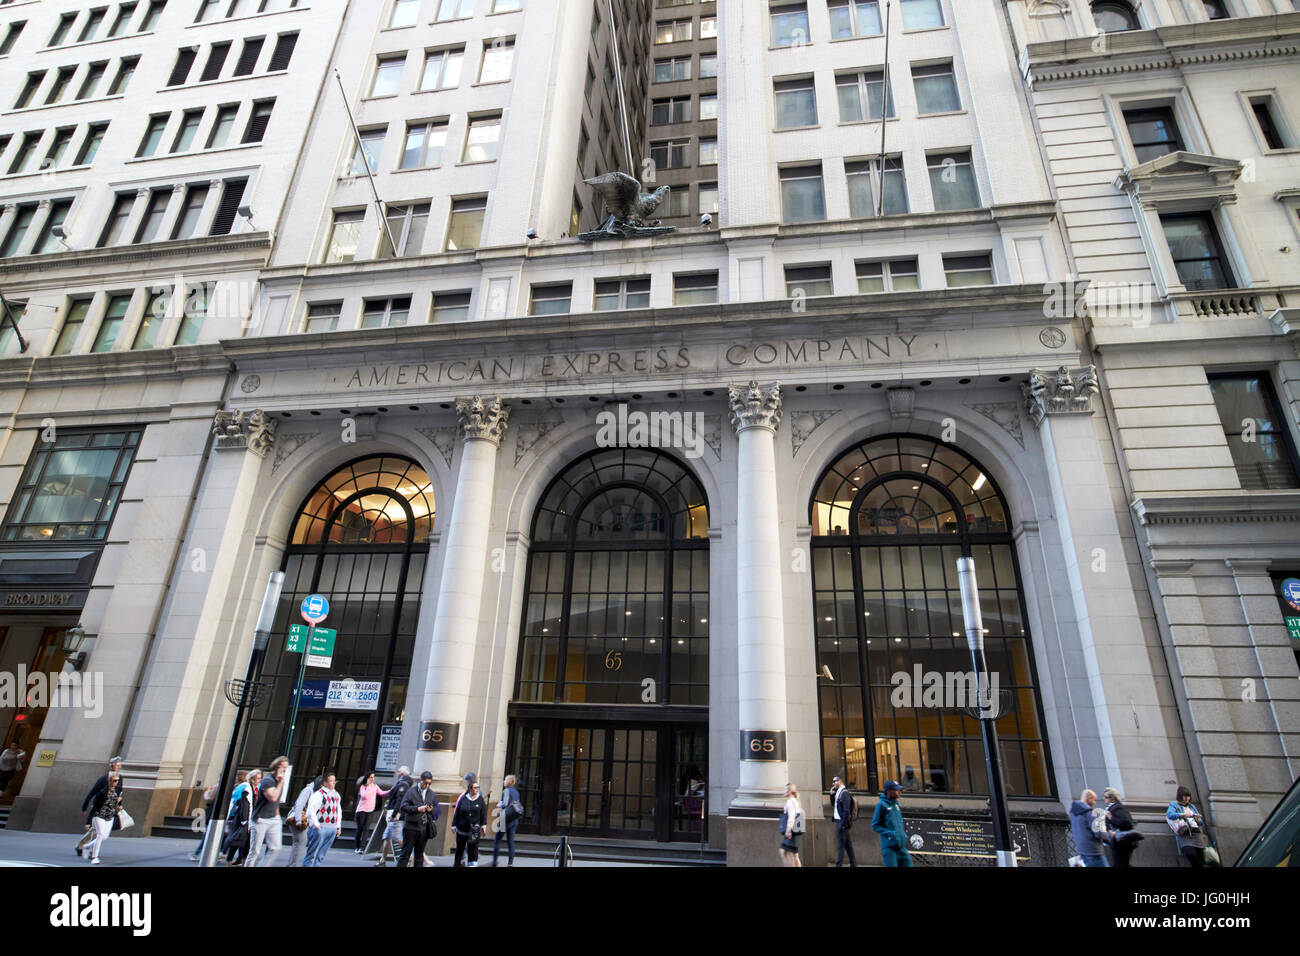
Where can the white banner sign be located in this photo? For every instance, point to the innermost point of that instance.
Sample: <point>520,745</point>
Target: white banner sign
<point>353,695</point>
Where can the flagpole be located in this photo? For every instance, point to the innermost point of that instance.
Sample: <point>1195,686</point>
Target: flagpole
<point>884,116</point>
<point>379,203</point>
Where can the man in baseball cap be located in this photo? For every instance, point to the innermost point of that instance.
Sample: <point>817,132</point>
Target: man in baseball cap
<point>888,822</point>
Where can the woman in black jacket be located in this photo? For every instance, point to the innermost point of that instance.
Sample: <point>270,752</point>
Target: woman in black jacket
<point>469,820</point>
<point>1123,835</point>
<point>239,822</point>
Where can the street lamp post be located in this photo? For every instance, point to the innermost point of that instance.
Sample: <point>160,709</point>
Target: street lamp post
<point>970,611</point>
<point>244,694</point>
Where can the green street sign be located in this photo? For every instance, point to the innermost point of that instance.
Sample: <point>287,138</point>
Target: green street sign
<point>322,640</point>
<point>1293,627</point>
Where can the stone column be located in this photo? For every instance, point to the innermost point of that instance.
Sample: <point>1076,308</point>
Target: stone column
<point>482,423</point>
<point>1114,691</point>
<point>760,621</point>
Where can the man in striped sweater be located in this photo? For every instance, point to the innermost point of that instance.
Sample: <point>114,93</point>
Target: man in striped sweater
<point>324,812</point>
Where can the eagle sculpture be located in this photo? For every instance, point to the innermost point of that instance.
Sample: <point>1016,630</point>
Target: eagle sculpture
<point>629,207</point>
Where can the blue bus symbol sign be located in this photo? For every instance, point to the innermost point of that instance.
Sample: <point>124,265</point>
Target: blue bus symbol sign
<point>315,608</point>
<point>1291,592</point>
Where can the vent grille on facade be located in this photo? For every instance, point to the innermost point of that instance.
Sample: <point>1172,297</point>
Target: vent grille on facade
<point>181,71</point>
<point>248,56</point>
<point>216,60</point>
<point>283,52</point>
<point>231,194</point>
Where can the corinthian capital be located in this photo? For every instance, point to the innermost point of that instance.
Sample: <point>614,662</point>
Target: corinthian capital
<point>483,418</point>
<point>753,406</point>
<point>1063,392</point>
<point>253,430</point>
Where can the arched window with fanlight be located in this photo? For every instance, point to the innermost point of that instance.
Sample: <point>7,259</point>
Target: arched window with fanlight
<point>361,538</point>
<point>1114,16</point>
<point>890,518</point>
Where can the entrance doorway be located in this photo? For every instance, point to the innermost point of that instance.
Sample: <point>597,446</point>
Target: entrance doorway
<point>38,649</point>
<point>332,742</point>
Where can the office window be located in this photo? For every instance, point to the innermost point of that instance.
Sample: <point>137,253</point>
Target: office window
<point>408,224</point>
<point>424,144</point>
<point>60,34</point>
<point>498,58</point>
<point>125,70</point>
<point>466,227</point>
<point>892,275</point>
<point>708,106</point>
<point>679,203</point>
<point>232,193</point>
<point>708,28</point>
<point>190,121</point>
<point>922,14</point>
<point>29,89</point>
<point>1264,109</point>
<point>405,13</point>
<point>854,18</point>
<point>368,150</point>
<point>709,198</point>
<point>854,89</point>
<point>695,288</point>
<point>936,89</point>
<point>215,62</point>
<point>323,316</point>
<point>151,16</point>
<point>795,103</point>
<point>952,181</point>
<point>789,24</point>
<point>802,198</point>
<point>808,281</point>
<point>222,125</point>
<point>155,209</point>
<point>552,299</point>
<point>152,135</point>
<point>282,54</point>
<point>455,9</point>
<point>708,151</point>
<point>450,306</point>
<point>614,294</point>
<point>193,312</point>
<point>967,270</point>
<point>54,155</point>
<point>208,10</point>
<point>385,313</point>
<point>111,325</point>
<point>345,235</point>
<point>1154,132</point>
<point>672,31</point>
<point>94,73</point>
<point>12,32</point>
<point>507,6</point>
<point>708,66</point>
<point>151,323</point>
<point>184,62</point>
<point>481,139</point>
<point>71,486</point>
<point>90,145</point>
<point>18,230</point>
<point>671,154</point>
<point>1255,429</point>
<point>674,110</point>
<point>864,187</point>
<point>123,19</point>
<point>1114,16</point>
<point>249,55</point>
<point>73,323</point>
<point>187,221</point>
<point>673,69</point>
<point>114,233</point>
<point>388,75</point>
<point>25,156</point>
<point>442,69</point>
<point>258,120</point>
<point>1198,254</point>
<point>62,79</point>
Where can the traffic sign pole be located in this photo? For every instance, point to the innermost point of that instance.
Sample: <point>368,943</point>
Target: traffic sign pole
<point>297,693</point>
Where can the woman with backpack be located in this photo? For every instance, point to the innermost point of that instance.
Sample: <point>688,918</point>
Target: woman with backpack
<point>509,812</point>
<point>469,820</point>
<point>791,827</point>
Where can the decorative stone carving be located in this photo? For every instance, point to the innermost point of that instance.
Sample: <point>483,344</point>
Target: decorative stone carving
<point>528,434</point>
<point>803,424</point>
<point>1005,414</point>
<point>254,430</point>
<point>286,445</point>
<point>901,402</point>
<point>482,418</point>
<point>443,438</point>
<point>629,208</point>
<point>1063,392</point>
<point>755,407</point>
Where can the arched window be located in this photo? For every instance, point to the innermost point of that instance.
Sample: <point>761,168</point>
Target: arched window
<point>1114,16</point>
<point>361,538</point>
<point>890,518</point>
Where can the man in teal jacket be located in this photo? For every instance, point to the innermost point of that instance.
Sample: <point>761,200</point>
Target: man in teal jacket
<point>888,822</point>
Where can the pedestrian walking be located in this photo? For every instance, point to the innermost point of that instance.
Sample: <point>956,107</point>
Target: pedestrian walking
<point>1188,826</point>
<point>239,822</point>
<point>267,831</point>
<point>104,815</point>
<point>114,769</point>
<point>393,826</point>
<point>1086,827</point>
<point>298,822</point>
<point>418,812</point>
<point>209,798</point>
<point>509,812</point>
<point>324,814</point>
<point>792,827</point>
<point>1124,836</point>
<point>11,761</point>
<point>888,822</point>
<point>367,791</point>
<point>469,820</point>
<point>844,810</point>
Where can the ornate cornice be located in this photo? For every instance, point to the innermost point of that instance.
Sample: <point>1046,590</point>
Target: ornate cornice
<point>1063,392</point>
<point>1219,508</point>
<point>753,406</point>
<point>254,431</point>
<point>482,419</point>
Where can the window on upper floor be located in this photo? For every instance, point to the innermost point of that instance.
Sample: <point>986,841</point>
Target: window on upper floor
<point>232,195</point>
<point>695,288</point>
<point>110,326</point>
<point>187,220</point>
<point>708,106</point>
<point>806,281</point>
<point>62,80</point>
<point>258,120</point>
<point>1153,131</point>
<point>74,321</point>
<point>672,69</point>
<point>442,69</point>
<point>408,224</point>
<point>922,14</point>
<point>617,294</point>
<point>864,184</point>
<point>968,269</point>
<point>386,313</point>
<point>282,54</point>
<point>671,153</point>
<point>155,211</point>
<point>708,28</point>
<point>679,203</point>
<point>405,13</point>
<point>853,90</point>
<point>1255,429</point>
<point>887,275</point>
<point>673,31</point>
<point>58,147</point>
<point>674,110</point>
<point>1273,130</point>
<point>184,138</point>
<point>323,316</point>
<point>153,133</point>
<point>63,29</point>
<point>450,306</point>
<point>122,20</point>
<point>345,236</point>
<point>795,103</point>
<point>193,311</point>
<point>708,151</point>
<point>208,10</point>
<point>854,18</point>
<point>709,198</point>
<point>249,55</point>
<point>12,32</point>
<point>93,22</point>
<point>708,66</point>
<point>482,137</point>
<point>789,23</point>
<point>125,70</point>
<point>388,75</point>
<point>22,222</point>
<point>952,181</point>
<point>94,73</point>
<point>802,196</point>
<point>552,298</point>
<point>90,145</point>
<point>32,84</point>
<point>465,229</point>
<point>152,321</point>
<point>368,151</point>
<point>24,160</point>
<point>1197,251</point>
<point>936,89</point>
<point>152,15</point>
<point>425,142</point>
<point>455,9</point>
<point>1216,9</point>
<point>507,6</point>
<point>222,126</point>
<point>498,60</point>
<point>1114,16</point>
<point>217,55</point>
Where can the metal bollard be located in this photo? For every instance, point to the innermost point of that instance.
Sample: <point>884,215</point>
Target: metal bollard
<point>563,852</point>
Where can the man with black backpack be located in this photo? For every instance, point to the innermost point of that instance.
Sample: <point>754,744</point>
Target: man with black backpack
<point>844,809</point>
